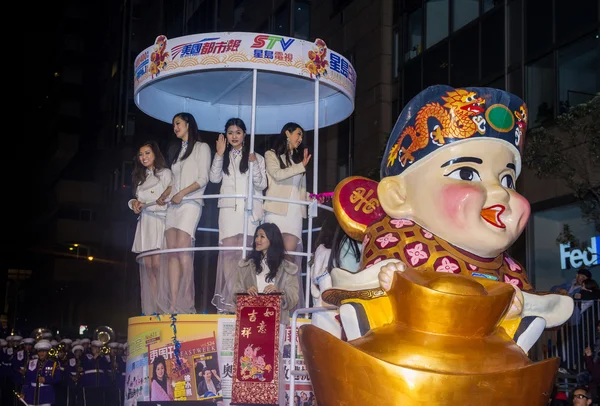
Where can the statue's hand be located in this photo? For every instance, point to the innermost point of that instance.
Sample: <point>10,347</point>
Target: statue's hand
<point>516,307</point>
<point>386,274</point>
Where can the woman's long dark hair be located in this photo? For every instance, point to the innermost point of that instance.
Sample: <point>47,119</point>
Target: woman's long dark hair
<point>139,171</point>
<point>280,146</point>
<point>238,122</point>
<point>275,253</point>
<point>163,383</point>
<point>193,135</point>
<point>339,240</point>
<point>327,233</point>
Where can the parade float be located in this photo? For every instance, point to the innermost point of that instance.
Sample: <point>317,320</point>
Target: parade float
<point>439,313</point>
<point>266,80</point>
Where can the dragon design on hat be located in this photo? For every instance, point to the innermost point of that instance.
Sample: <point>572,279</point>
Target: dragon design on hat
<point>455,121</point>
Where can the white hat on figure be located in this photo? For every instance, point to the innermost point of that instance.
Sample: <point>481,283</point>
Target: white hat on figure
<point>77,347</point>
<point>43,345</point>
<point>66,341</point>
<point>85,341</point>
<point>29,341</point>
<point>97,343</point>
<point>76,342</point>
<point>113,345</point>
<point>3,342</point>
<point>14,338</point>
<point>46,335</point>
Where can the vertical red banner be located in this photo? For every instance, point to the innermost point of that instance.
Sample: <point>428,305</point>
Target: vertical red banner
<point>256,352</point>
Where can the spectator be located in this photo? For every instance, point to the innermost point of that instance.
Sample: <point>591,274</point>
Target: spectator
<point>581,397</point>
<point>573,287</point>
<point>589,290</point>
<point>593,367</point>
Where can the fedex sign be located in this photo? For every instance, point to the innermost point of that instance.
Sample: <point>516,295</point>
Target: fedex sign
<point>270,40</point>
<point>578,258</point>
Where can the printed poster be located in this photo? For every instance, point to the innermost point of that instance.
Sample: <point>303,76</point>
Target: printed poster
<point>170,381</point>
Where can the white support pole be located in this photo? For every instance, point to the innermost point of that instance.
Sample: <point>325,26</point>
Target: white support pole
<point>249,187</point>
<point>315,165</point>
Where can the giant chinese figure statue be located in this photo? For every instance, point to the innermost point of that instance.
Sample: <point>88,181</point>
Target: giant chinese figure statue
<point>439,314</point>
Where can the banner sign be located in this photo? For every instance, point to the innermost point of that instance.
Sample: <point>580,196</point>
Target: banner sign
<point>256,351</point>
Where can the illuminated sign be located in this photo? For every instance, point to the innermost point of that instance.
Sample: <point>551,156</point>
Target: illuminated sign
<point>578,258</point>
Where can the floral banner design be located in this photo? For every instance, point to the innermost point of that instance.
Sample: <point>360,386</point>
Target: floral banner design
<point>256,351</point>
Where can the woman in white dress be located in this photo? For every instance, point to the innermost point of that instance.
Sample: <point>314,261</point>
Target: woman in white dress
<point>151,178</point>
<point>190,177</point>
<point>231,167</point>
<point>286,169</point>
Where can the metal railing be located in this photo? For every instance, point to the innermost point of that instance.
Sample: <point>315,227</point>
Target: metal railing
<point>569,341</point>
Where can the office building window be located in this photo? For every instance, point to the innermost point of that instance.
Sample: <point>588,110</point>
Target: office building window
<point>538,14</point>
<point>127,172</point>
<point>281,22</point>
<point>540,90</point>
<point>574,19</point>
<point>414,34</point>
<point>515,32</point>
<point>395,53</point>
<point>437,21</point>
<point>302,19</point>
<point>490,4</point>
<point>412,80</point>
<point>463,12</point>
<point>515,83</point>
<point>578,72</point>
<point>492,45</point>
<point>435,66</point>
<point>464,51</point>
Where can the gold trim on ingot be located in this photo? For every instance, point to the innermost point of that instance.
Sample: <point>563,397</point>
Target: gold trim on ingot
<point>337,296</point>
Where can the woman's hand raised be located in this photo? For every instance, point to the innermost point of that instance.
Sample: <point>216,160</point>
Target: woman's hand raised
<point>221,145</point>
<point>307,157</point>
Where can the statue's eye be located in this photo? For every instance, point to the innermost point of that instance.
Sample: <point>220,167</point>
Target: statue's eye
<point>465,173</point>
<point>508,182</point>
<point>470,98</point>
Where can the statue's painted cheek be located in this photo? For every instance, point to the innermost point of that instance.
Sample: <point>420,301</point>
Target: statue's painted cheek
<point>458,200</point>
<point>521,209</point>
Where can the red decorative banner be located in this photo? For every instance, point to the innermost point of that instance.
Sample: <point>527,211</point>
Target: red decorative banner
<point>256,352</point>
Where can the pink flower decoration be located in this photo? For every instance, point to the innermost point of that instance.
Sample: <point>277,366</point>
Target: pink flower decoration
<point>386,239</point>
<point>416,254</point>
<point>375,261</point>
<point>427,234</point>
<point>447,266</point>
<point>473,267</point>
<point>399,223</point>
<point>365,241</point>
<point>513,281</point>
<point>512,264</point>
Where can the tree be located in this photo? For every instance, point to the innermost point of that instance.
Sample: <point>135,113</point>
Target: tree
<point>570,151</point>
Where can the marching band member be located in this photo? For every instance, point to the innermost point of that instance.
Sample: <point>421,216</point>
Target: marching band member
<point>41,374</point>
<point>21,360</point>
<point>85,342</point>
<point>151,178</point>
<point>94,367</point>
<point>190,177</point>
<point>230,167</point>
<point>74,370</point>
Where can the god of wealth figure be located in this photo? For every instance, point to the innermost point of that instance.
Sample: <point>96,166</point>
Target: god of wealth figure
<point>439,314</point>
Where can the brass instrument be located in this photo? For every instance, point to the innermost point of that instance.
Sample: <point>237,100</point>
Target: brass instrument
<point>104,334</point>
<point>39,332</point>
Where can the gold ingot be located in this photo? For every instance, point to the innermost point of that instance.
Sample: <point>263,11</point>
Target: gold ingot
<point>444,346</point>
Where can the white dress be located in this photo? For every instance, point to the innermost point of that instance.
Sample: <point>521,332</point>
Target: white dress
<point>290,223</point>
<point>231,211</point>
<point>186,215</point>
<point>149,234</point>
